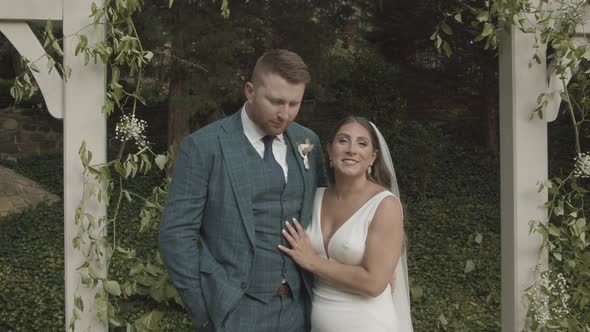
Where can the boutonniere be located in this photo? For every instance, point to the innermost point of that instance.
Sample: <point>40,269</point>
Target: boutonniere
<point>304,149</point>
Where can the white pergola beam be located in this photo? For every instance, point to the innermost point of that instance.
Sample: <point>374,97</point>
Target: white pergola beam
<point>83,121</point>
<point>523,162</point>
<point>26,43</point>
<point>30,10</point>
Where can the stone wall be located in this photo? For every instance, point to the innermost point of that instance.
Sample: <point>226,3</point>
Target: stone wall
<point>29,132</point>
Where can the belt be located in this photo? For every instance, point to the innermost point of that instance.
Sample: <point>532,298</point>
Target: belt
<point>282,290</point>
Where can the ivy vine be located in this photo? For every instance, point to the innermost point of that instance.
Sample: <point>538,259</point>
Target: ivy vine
<point>124,55</point>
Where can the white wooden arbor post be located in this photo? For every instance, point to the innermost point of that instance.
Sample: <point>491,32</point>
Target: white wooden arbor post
<point>523,162</point>
<point>78,101</point>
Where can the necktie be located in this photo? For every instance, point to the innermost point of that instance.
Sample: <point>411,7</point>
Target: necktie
<point>269,158</point>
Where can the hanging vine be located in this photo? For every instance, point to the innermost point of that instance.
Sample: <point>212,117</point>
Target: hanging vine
<point>125,57</point>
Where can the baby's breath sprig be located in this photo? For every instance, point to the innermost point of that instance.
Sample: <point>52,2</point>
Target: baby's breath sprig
<point>582,165</point>
<point>133,129</point>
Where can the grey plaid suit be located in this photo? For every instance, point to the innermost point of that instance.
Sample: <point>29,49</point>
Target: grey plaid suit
<point>207,236</point>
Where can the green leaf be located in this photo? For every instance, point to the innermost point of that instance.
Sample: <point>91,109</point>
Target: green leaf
<point>478,238</point>
<point>458,18</point>
<point>57,48</point>
<point>554,231</point>
<point>225,8</point>
<point>99,306</point>
<point>161,161</point>
<point>127,196</point>
<point>136,268</point>
<point>558,211</point>
<point>97,270</point>
<point>112,287</point>
<point>153,270</point>
<point>447,48</point>
<point>483,16</point>
<point>170,2</point>
<point>487,29</point>
<point>469,266</point>
<point>416,292</point>
<point>149,320</point>
<point>571,263</point>
<point>446,28</point>
<point>443,320</point>
<point>148,55</point>
<point>114,319</point>
<point>435,33</point>
<point>34,68</point>
<point>78,302</point>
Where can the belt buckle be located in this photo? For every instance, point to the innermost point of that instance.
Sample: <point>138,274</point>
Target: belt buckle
<point>282,290</point>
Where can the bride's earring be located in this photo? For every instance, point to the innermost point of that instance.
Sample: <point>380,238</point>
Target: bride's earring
<point>369,170</point>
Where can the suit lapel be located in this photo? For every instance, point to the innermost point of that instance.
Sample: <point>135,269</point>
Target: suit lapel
<point>294,140</point>
<point>234,154</point>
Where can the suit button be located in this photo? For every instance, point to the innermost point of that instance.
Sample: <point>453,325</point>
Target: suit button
<point>243,285</point>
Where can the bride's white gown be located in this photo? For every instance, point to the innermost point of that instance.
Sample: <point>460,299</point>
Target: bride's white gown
<point>336,309</point>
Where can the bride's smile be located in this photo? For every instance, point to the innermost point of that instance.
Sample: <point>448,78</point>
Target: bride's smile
<point>352,151</point>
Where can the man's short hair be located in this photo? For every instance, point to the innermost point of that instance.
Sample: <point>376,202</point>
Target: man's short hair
<point>284,63</point>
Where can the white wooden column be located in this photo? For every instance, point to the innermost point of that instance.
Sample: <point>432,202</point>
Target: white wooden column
<point>523,162</point>
<point>83,98</point>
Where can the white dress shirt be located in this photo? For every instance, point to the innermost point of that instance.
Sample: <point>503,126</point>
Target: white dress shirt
<point>255,135</point>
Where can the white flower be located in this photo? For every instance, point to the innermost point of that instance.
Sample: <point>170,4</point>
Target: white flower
<point>304,149</point>
<point>582,167</point>
<point>573,9</point>
<point>548,298</point>
<point>131,128</point>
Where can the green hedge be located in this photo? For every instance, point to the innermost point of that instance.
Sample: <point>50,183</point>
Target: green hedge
<point>450,191</point>
<point>32,270</point>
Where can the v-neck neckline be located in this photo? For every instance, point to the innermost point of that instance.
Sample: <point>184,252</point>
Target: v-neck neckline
<point>326,246</point>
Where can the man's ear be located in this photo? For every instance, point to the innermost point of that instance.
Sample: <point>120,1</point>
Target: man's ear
<point>249,91</point>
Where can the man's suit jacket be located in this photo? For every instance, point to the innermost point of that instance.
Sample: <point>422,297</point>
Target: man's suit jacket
<point>207,238</point>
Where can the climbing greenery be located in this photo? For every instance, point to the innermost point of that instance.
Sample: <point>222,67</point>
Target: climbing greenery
<point>107,183</point>
<point>559,300</point>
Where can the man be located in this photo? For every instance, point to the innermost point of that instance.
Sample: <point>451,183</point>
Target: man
<point>235,184</point>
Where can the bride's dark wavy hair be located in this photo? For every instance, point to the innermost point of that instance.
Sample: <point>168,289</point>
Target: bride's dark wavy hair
<point>379,174</point>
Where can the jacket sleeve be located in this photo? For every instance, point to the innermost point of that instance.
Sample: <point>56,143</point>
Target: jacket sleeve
<point>181,224</point>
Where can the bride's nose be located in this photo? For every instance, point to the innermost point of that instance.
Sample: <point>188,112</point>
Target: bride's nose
<point>351,149</point>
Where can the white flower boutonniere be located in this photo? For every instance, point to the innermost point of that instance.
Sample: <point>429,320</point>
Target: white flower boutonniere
<point>304,149</point>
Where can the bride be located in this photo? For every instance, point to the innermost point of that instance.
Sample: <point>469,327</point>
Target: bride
<point>354,245</point>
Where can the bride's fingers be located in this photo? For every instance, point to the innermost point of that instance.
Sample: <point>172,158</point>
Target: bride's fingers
<point>289,238</point>
<point>292,230</point>
<point>298,227</point>
<point>285,250</point>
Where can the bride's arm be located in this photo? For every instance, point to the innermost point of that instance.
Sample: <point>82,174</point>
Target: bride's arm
<point>382,251</point>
